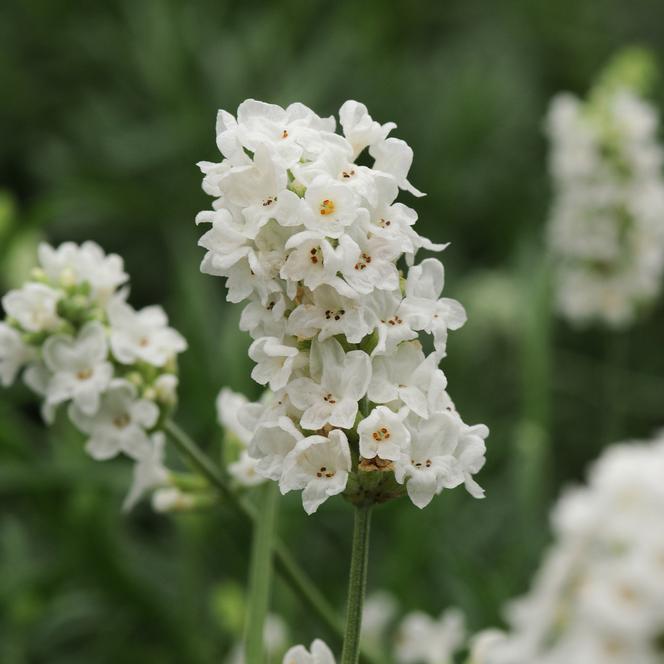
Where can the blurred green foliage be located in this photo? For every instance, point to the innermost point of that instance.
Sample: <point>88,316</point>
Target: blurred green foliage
<point>105,109</point>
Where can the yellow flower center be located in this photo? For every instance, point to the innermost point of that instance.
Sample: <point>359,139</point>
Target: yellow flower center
<point>381,434</point>
<point>326,207</point>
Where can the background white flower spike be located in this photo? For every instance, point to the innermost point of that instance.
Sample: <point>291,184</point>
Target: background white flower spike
<point>76,341</point>
<point>335,322</point>
<point>606,233</point>
<point>599,594</point>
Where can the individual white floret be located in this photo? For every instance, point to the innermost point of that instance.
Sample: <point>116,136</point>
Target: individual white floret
<point>244,470</point>
<point>271,443</point>
<point>149,471</point>
<point>359,127</point>
<point>142,336</point>
<point>229,404</point>
<point>429,464</point>
<point>14,354</point>
<point>276,359</point>
<point>319,465</point>
<point>392,327</point>
<point>34,307</point>
<point>79,366</point>
<point>407,375</point>
<point>330,207</point>
<point>329,314</point>
<point>166,388</point>
<point>172,499</point>
<point>374,268</point>
<point>383,434</point>
<point>315,262</point>
<point>423,307</point>
<point>120,425</point>
<point>259,190</point>
<point>333,399</point>
<point>319,653</point>
<point>395,157</point>
<point>266,320</point>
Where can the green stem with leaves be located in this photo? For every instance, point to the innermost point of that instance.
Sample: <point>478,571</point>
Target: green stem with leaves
<point>260,573</point>
<point>357,585</point>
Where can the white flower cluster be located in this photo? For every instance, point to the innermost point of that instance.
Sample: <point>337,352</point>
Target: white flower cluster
<point>310,238</point>
<point>599,597</point>
<point>77,341</point>
<point>606,230</point>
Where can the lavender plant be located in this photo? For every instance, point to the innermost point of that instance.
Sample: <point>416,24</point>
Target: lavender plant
<point>317,246</point>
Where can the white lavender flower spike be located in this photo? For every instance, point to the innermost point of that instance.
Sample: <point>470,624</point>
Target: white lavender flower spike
<point>606,231</point>
<point>311,240</point>
<point>599,594</point>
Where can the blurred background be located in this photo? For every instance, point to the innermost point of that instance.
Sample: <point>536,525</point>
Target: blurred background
<point>106,108</point>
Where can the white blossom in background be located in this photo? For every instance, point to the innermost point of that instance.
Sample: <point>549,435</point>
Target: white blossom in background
<point>378,612</point>
<point>421,639</point>
<point>14,354</point>
<point>318,653</point>
<point>598,598</point>
<point>243,469</point>
<point>311,241</point>
<point>606,228</point>
<point>71,334</point>
<point>149,471</point>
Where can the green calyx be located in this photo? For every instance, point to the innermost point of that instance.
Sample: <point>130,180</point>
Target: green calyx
<point>372,483</point>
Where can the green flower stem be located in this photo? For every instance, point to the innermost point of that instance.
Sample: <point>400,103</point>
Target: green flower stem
<point>260,573</point>
<point>357,585</point>
<point>286,566</point>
